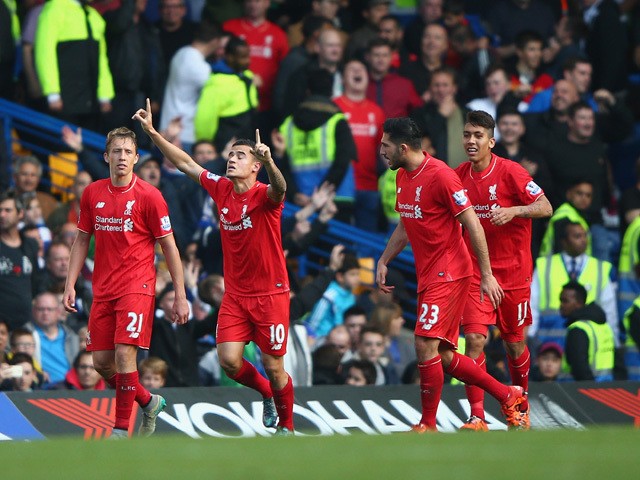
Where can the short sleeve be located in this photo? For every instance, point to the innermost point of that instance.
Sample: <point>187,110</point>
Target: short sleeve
<point>211,183</point>
<point>452,193</point>
<point>157,215</point>
<point>84,219</point>
<point>528,190</point>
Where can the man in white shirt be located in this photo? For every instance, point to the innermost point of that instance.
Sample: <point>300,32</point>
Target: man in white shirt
<point>188,72</point>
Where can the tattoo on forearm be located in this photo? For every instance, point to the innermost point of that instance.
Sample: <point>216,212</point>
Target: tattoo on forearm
<point>276,179</point>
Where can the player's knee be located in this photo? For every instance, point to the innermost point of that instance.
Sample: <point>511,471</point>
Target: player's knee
<point>474,343</point>
<point>231,366</point>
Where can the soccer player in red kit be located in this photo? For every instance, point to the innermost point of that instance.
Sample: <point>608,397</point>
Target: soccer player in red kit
<point>505,199</point>
<point>432,204</point>
<point>255,305</point>
<point>126,216</point>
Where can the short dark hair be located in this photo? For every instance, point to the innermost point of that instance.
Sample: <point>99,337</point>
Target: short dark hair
<point>479,118</point>
<point>454,7</point>
<point>245,142</point>
<point>367,368</point>
<point>509,110</point>
<point>579,105</point>
<point>527,36</point>
<point>571,62</point>
<point>349,262</point>
<point>21,357</point>
<point>581,292</point>
<point>234,44</point>
<point>403,130</point>
<point>370,329</point>
<point>495,67</point>
<point>12,195</point>
<point>378,42</point>
<point>447,71</point>
<point>320,82</point>
<point>207,31</point>
<point>18,332</point>
<point>81,353</point>
<point>395,19</point>
<point>312,23</point>
<point>354,311</point>
<point>565,230</point>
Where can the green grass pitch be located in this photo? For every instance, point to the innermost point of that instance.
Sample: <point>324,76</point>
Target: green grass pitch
<point>603,453</point>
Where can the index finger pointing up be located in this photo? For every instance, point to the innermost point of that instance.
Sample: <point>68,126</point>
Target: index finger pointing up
<point>257,135</point>
<point>148,105</point>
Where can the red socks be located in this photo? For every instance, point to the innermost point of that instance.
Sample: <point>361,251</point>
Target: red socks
<point>466,370</point>
<point>125,396</point>
<point>431,381</point>
<point>250,377</point>
<point>475,394</point>
<point>143,396</point>
<point>519,370</point>
<point>284,405</point>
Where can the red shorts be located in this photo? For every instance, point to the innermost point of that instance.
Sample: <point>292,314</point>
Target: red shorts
<point>511,317</point>
<point>440,308</point>
<point>127,320</point>
<point>263,320</point>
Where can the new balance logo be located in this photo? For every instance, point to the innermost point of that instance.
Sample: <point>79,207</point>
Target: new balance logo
<point>99,204</point>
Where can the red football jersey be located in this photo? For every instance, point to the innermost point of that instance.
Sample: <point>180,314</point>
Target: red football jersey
<point>428,201</point>
<point>125,221</point>
<point>365,119</point>
<point>268,46</point>
<point>251,240</point>
<point>503,183</point>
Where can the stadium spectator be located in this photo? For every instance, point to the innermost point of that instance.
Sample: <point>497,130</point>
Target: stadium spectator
<point>268,47</point>
<point>578,201</point>
<point>508,18</point>
<point>553,272</point>
<point>399,347</point>
<point>327,10</point>
<point>19,260</point>
<point>434,45</point>
<point>188,72</point>
<point>33,218</point>
<point>499,96</point>
<point>77,91</point>
<point>229,98</point>
<point>309,162</point>
<point>358,373</point>
<point>56,344</point>
<point>373,12</point>
<point>337,298</point>
<point>442,119</point>
<point>27,174</point>
<point>631,324</point>
<point>330,54</point>
<point>136,61</point>
<point>298,56</point>
<point>608,57</point>
<point>153,373</point>
<point>527,79</point>
<point>429,12</point>
<point>177,345</point>
<point>69,211</point>
<point>175,29</point>
<point>589,343</point>
<point>371,347</point>
<point>548,363</point>
<point>82,376</point>
<point>365,119</point>
<point>19,375</point>
<point>392,31</point>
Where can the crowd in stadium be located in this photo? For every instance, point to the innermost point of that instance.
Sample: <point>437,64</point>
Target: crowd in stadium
<point>318,78</point>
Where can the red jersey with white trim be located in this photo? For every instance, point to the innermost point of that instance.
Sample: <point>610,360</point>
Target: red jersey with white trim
<point>268,46</point>
<point>251,240</point>
<point>125,221</point>
<point>365,119</point>
<point>428,200</point>
<point>503,183</point>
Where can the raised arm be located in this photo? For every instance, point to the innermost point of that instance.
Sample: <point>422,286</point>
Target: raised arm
<point>277,184</point>
<point>179,158</point>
